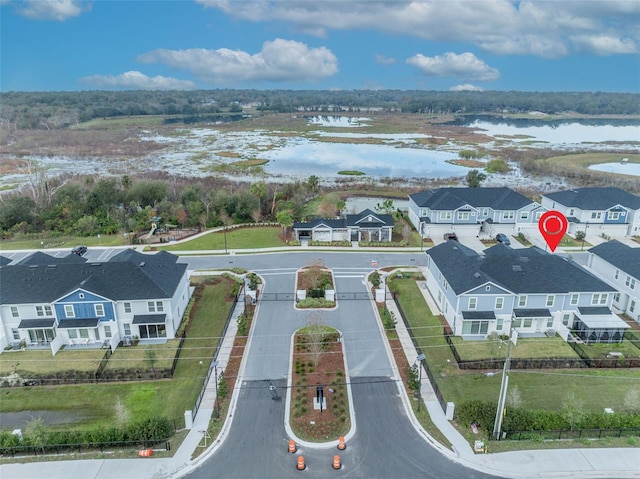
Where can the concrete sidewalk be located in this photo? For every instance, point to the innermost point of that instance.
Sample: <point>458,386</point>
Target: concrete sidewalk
<point>561,463</point>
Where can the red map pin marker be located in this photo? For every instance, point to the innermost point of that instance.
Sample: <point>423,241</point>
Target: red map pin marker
<point>553,226</point>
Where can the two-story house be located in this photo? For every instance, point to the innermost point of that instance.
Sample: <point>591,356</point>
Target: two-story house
<point>51,302</point>
<point>528,290</point>
<point>619,265</point>
<point>364,226</point>
<point>607,211</point>
<point>472,211</point>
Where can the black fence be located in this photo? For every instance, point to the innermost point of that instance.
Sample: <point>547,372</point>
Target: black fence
<point>360,295</point>
<point>569,434</point>
<point>430,376</point>
<point>49,449</point>
<point>196,406</point>
<point>611,363</point>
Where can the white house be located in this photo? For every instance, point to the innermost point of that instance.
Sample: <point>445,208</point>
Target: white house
<point>619,265</point>
<point>607,211</point>
<point>50,302</point>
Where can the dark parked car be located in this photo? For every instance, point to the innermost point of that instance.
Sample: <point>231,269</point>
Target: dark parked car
<point>450,236</point>
<point>503,238</point>
<point>79,250</point>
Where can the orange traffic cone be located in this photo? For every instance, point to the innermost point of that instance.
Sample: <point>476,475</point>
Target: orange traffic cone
<point>292,446</point>
<point>341,445</point>
<point>301,466</point>
<point>336,462</point>
<point>145,453</point>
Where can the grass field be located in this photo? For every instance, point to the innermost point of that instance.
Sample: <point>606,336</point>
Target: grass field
<point>142,399</point>
<point>539,388</point>
<point>42,362</point>
<point>240,238</point>
<point>525,348</point>
<point>139,357</point>
<point>64,242</point>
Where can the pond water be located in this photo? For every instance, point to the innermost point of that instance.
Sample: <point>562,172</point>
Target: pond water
<point>304,157</point>
<point>632,169</point>
<point>558,132</point>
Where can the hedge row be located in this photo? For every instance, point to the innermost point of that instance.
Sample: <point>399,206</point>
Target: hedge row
<point>147,430</point>
<point>517,419</point>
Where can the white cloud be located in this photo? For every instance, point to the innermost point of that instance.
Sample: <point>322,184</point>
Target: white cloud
<point>466,87</point>
<point>465,65</point>
<point>544,28</point>
<point>385,60</point>
<point>135,80</point>
<point>58,10</point>
<point>278,61</point>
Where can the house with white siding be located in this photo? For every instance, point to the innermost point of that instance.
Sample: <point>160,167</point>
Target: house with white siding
<point>606,211</point>
<point>528,290</point>
<point>482,212</point>
<point>619,265</point>
<point>51,302</point>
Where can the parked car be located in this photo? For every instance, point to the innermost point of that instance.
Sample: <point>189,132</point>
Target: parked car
<point>79,250</point>
<point>450,236</point>
<point>503,238</point>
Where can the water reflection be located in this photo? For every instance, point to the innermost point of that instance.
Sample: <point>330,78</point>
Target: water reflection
<point>632,169</point>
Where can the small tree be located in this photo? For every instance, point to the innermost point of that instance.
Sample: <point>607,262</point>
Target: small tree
<point>474,178</point>
<point>151,359</point>
<point>36,432</point>
<point>632,401</point>
<point>315,337</point>
<point>315,272</point>
<point>375,279</point>
<point>572,410</point>
<point>580,235</point>
<point>514,397</point>
<point>121,413</point>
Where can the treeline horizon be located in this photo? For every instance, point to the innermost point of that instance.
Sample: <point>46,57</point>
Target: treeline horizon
<point>55,110</point>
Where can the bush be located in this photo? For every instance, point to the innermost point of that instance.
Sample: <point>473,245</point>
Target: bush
<point>243,325</point>
<point>388,319</point>
<point>315,303</point>
<point>375,279</point>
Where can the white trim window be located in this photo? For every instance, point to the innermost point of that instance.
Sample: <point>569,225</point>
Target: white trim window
<point>574,299</point>
<point>550,300</point>
<point>44,310</point>
<point>566,317</point>
<point>127,307</point>
<point>155,306</point>
<point>632,306</point>
<point>499,302</point>
<point>445,215</point>
<point>599,298</point>
<point>463,215</point>
<point>596,215</point>
<point>126,327</point>
<point>522,301</point>
<point>15,313</point>
<point>524,215</point>
<point>99,309</point>
<point>613,215</point>
<point>69,311</point>
<point>107,331</point>
<point>630,282</point>
<point>508,215</point>
<point>473,303</point>
<point>615,276</point>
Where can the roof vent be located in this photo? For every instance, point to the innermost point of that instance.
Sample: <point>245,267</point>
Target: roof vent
<point>32,266</point>
<point>142,263</point>
<point>524,259</point>
<point>516,267</point>
<point>52,266</point>
<point>476,274</point>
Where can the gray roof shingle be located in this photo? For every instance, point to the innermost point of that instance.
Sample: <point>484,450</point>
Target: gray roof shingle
<point>453,198</point>
<point>620,255</point>
<point>595,198</point>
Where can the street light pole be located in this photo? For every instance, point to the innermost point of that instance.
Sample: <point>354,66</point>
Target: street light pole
<point>216,405</point>
<point>421,236</point>
<point>419,359</point>
<point>224,232</point>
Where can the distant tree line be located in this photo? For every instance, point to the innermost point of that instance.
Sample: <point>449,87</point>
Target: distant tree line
<point>53,110</point>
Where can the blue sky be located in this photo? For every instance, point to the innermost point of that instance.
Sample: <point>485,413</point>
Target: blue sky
<point>550,45</point>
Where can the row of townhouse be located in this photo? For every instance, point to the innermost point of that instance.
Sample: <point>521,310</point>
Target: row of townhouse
<point>528,290</point>
<point>50,302</point>
<point>488,211</point>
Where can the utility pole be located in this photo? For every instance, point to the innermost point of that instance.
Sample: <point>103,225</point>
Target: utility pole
<point>497,426</point>
<point>419,359</point>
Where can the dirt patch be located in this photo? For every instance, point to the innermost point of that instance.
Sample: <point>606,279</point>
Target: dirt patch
<point>314,368</point>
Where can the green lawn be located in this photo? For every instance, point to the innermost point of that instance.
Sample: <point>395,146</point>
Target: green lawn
<point>600,351</point>
<point>138,357</point>
<point>241,238</point>
<point>57,242</point>
<point>42,362</point>
<point>142,399</point>
<point>525,348</point>
<point>539,388</point>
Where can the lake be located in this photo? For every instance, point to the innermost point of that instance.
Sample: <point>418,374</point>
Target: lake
<point>632,169</point>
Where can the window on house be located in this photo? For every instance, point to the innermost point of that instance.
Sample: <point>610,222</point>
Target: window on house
<point>445,285</point>
<point>499,324</point>
<point>616,297</point>
<point>445,215</point>
<point>550,300</point>
<point>549,322</point>
<point>596,215</point>
<point>632,306</point>
<point>96,334</point>
<point>599,298</point>
<point>538,215</point>
<point>16,334</point>
<point>524,215</point>
<point>44,310</point>
<point>517,322</point>
<point>107,331</point>
<point>522,301</point>
<point>485,212</point>
<point>155,306</point>
<point>99,310</point>
<point>127,307</point>
<point>73,333</point>
<point>151,306</point>
<point>508,215</point>
<point>14,312</point>
<point>127,329</point>
<point>571,212</point>
<point>68,311</point>
<point>615,276</point>
<point>499,303</point>
<point>565,319</point>
<point>84,333</point>
<point>473,302</point>
<point>528,322</point>
<point>440,297</point>
<point>630,282</point>
<point>463,215</point>
<point>613,215</point>
<point>475,327</point>
<point>574,299</point>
